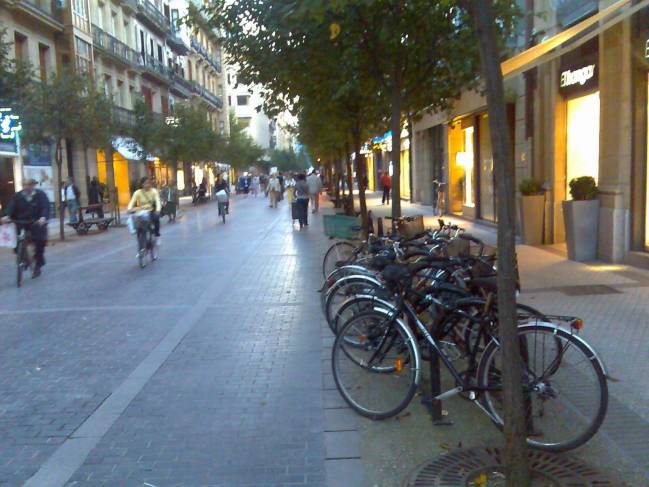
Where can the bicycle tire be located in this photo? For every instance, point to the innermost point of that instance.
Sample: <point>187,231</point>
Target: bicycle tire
<point>336,254</point>
<point>340,355</point>
<point>20,248</point>
<point>485,373</point>
<point>343,287</point>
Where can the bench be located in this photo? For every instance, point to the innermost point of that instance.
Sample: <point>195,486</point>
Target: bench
<point>83,225</point>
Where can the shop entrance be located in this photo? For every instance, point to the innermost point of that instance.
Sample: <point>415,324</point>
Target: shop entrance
<point>7,188</point>
<point>582,141</point>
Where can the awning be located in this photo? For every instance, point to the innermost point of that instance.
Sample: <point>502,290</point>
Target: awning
<point>547,50</point>
<point>129,149</point>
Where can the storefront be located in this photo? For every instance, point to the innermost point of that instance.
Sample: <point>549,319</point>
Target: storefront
<point>10,170</point>
<point>404,166</point>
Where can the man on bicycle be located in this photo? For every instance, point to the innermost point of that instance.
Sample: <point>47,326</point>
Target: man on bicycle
<point>31,205</point>
<point>147,199</point>
<point>222,185</point>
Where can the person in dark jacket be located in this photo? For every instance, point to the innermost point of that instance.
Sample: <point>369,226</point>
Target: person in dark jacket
<point>31,205</point>
<point>94,198</point>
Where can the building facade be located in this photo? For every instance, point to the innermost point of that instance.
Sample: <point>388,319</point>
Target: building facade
<point>133,49</point>
<point>579,109</point>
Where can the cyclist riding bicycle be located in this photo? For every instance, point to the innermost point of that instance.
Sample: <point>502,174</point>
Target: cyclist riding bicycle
<point>147,199</point>
<point>31,205</point>
<point>222,185</point>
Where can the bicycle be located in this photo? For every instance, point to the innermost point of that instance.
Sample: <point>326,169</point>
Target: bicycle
<point>376,363</point>
<point>147,242</point>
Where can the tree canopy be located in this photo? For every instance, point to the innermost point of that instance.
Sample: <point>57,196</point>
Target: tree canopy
<point>241,151</point>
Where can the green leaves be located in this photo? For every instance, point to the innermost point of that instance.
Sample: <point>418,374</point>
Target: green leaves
<point>241,152</point>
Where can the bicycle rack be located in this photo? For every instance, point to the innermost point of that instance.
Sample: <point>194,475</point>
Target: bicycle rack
<point>435,406</point>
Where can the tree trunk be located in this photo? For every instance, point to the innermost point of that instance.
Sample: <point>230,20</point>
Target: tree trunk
<point>395,124</point>
<point>516,459</point>
<point>410,157</point>
<point>85,168</point>
<point>336,179</point>
<point>59,176</point>
<point>350,175</point>
<point>361,175</point>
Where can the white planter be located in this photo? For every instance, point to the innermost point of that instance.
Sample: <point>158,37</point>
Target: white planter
<point>581,219</point>
<point>532,214</point>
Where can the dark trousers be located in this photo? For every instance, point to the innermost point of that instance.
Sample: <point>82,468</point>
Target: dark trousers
<point>303,210</point>
<point>39,252</point>
<point>386,195</point>
<point>155,218</point>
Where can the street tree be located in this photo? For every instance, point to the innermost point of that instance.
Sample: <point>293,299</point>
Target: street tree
<point>14,76</point>
<point>288,160</point>
<point>146,132</point>
<point>53,113</point>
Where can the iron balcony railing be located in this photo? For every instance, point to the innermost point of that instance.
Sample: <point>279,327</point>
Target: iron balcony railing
<point>183,85</point>
<point>214,62</point>
<point>149,11</point>
<point>124,118</point>
<point>49,9</point>
<point>114,47</point>
<point>156,67</point>
<point>207,95</point>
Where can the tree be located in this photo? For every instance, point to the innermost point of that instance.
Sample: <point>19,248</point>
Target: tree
<point>188,136</point>
<point>288,160</point>
<point>515,422</point>
<point>14,76</point>
<point>146,132</point>
<point>54,112</point>
<point>241,151</point>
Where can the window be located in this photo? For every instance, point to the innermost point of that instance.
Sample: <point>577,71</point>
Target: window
<point>108,86</point>
<point>43,61</point>
<point>20,44</point>
<point>83,54</point>
<point>189,70</point>
<point>242,100</point>
<point>151,47</point>
<point>113,23</point>
<point>244,122</point>
<point>222,127</point>
<point>142,45</point>
<point>79,8</point>
<point>164,101</point>
<point>121,95</point>
<point>229,100</point>
<point>160,53</point>
<point>174,20</point>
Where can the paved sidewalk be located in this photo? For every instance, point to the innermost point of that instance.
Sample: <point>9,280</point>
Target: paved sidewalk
<point>613,300</point>
<point>202,369</point>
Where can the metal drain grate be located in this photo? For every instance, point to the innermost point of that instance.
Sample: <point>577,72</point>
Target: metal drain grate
<point>463,468</point>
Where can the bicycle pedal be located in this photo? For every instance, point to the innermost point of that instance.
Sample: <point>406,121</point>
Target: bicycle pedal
<point>450,393</point>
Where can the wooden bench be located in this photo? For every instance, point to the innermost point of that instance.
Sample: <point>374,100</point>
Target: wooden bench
<point>82,226</point>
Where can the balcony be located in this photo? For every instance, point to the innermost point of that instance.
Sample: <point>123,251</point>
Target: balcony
<point>114,48</point>
<point>213,100</point>
<point>175,42</point>
<point>212,61</point>
<point>130,5</point>
<point>181,86</point>
<point>45,11</point>
<point>148,13</point>
<point>157,69</point>
<point>124,118</point>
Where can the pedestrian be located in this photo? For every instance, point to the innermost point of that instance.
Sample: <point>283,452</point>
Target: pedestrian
<point>386,181</point>
<point>302,199</point>
<point>170,201</point>
<point>256,185</point>
<point>274,189</point>
<point>282,187</point>
<point>70,194</point>
<point>31,205</point>
<point>315,187</point>
<point>289,183</point>
<point>95,199</point>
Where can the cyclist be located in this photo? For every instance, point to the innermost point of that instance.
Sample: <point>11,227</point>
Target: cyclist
<point>31,205</point>
<point>147,198</point>
<point>222,185</point>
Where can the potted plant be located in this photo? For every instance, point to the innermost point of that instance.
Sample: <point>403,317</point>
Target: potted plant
<point>532,210</point>
<point>581,219</point>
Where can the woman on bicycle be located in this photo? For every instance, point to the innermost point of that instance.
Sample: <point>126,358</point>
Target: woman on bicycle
<point>147,198</point>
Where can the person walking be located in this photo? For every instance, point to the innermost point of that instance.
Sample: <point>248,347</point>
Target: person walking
<point>315,187</point>
<point>70,195</point>
<point>282,187</point>
<point>289,183</point>
<point>31,205</point>
<point>255,185</point>
<point>386,181</point>
<point>302,200</point>
<point>274,189</point>
<point>169,195</point>
<point>95,198</point>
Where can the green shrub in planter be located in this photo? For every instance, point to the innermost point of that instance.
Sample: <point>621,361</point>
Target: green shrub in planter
<point>530,187</point>
<point>583,188</point>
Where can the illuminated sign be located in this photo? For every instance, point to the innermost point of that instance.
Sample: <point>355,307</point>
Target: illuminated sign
<point>9,124</point>
<point>578,76</point>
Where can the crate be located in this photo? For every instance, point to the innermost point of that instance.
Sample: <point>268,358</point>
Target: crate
<point>341,226</point>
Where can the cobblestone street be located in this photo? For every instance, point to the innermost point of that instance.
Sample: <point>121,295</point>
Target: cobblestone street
<point>201,369</point>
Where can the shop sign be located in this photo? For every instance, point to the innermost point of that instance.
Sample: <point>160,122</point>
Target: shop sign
<point>581,78</point>
<point>9,124</point>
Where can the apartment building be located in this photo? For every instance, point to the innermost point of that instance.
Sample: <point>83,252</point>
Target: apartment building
<point>35,27</point>
<point>133,48</point>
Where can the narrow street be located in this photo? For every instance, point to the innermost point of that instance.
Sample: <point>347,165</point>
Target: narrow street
<point>201,369</point>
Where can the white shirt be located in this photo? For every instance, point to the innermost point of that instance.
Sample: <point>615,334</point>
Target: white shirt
<point>67,194</point>
<point>314,183</point>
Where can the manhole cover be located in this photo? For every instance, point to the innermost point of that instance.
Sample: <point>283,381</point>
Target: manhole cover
<point>482,467</point>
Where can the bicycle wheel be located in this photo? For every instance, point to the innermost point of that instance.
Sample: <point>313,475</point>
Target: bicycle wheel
<point>564,387</point>
<point>20,263</point>
<point>338,253</point>
<point>346,288</point>
<point>376,365</point>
